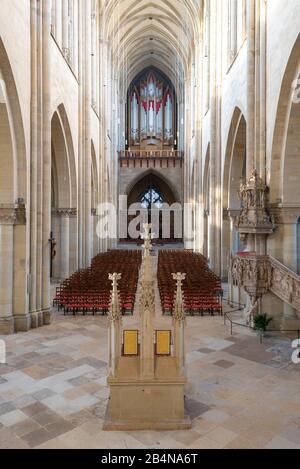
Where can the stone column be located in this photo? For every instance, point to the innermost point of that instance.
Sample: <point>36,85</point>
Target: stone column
<point>20,277</point>
<point>215,207</point>
<point>250,87</point>
<point>85,144</point>
<point>55,228</point>
<point>7,220</point>
<point>46,171</point>
<point>290,258</point>
<point>73,233</point>
<point>88,142</point>
<point>289,247</point>
<point>95,239</point>
<point>213,136</point>
<point>199,210</point>
<point>263,86</point>
<point>64,244</point>
<point>226,243</point>
<point>34,280</point>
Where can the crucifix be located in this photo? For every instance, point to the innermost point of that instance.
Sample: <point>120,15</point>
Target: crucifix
<point>52,242</point>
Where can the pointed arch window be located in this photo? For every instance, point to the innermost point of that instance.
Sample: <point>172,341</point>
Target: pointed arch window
<point>151,198</point>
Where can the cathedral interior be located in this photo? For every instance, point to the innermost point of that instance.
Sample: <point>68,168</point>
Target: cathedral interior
<point>182,118</point>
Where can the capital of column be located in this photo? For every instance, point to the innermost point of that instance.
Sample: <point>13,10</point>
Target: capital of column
<point>13,214</point>
<point>285,215</point>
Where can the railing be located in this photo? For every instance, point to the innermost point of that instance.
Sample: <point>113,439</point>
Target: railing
<point>148,154</point>
<point>295,332</point>
<point>285,283</point>
<point>259,274</point>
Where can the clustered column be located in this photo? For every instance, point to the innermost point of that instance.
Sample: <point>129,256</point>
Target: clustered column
<point>6,272</point>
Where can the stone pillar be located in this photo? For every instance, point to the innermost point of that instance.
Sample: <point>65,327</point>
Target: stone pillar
<point>88,138</point>
<point>262,78</point>
<point>85,144</point>
<point>46,171</point>
<point>226,244</point>
<point>73,222</point>
<point>250,87</point>
<point>20,278</point>
<point>290,259</point>
<point>95,239</point>
<point>35,193</point>
<point>65,245</point>
<point>213,136</point>
<point>290,244</point>
<point>215,207</point>
<point>6,272</point>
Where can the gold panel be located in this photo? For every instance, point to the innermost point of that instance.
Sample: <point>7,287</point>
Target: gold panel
<point>131,343</point>
<point>163,342</point>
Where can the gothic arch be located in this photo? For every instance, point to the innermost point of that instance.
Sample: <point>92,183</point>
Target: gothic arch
<point>13,166</point>
<point>234,173</point>
<point>286,142</point>
<point>64,196</point>
<point>14,231</point>
<point>135,181</point>
<point>63,160</point>
<point>235,159</point>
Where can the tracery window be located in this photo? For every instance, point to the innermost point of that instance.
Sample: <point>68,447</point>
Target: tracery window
<point>236,27</point>
<point>64,28</point>
<point>152,198</point>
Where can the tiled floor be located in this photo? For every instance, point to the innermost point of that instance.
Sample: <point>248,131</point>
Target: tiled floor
<point>240,394</point>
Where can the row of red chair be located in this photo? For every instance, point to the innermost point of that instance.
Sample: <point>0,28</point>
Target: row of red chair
<point>88,291</point>
<point>202,288</point>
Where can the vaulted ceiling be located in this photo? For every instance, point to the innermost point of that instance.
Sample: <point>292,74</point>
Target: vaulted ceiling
<point>158,33</point>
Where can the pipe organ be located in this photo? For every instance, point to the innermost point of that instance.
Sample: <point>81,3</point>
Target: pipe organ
<point>152,112</point>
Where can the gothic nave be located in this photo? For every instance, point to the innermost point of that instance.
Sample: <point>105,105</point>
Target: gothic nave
<point>183,115</point>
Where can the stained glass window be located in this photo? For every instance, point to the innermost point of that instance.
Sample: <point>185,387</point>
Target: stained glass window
<point>152,197</point>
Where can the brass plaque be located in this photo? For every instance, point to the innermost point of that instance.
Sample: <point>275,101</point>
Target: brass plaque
<point>163,342</point>
<point>131,343</point>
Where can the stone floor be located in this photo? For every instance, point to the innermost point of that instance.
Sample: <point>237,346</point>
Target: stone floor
<point>240,394</point>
